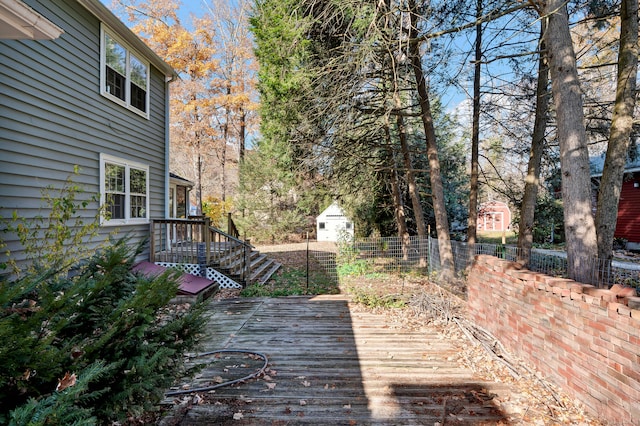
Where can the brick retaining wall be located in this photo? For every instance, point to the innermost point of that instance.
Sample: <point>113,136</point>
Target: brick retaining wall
<point>586,340</point>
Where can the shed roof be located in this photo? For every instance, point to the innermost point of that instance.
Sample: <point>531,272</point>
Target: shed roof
<point>597,163</point>
<point>334,210</point>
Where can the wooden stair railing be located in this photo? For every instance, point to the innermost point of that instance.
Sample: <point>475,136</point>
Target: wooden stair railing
<point>195,241</point>
<point>231,227</point>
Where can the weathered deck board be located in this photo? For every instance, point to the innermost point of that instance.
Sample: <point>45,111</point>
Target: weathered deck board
<point>331,365</point>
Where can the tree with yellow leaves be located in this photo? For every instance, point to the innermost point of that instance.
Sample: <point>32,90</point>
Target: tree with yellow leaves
<point>237,71</point>
<point>191,53</point>
<point>212,106</point>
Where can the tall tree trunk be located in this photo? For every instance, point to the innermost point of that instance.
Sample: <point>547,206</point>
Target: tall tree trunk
<point>475,141</point>
<point>225,143</point>
<point>198,182</point>
<point>413,192</point>
<point>413,189</point>
<point>437,191</point>
<point>621,124</point>
<point>243,134</point>
<point>411,179</point>
<point>223,164</point>
<point>398,204</point>
<point>580,232</point>
<point>532,181</point>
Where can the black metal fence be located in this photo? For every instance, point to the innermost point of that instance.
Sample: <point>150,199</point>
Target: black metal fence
<point>422,256</point>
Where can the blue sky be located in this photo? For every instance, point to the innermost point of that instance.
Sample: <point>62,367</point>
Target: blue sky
<point>197,7</point>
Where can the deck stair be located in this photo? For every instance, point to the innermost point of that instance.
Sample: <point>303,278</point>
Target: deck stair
<point>212,251</point>
<point>261,267</point>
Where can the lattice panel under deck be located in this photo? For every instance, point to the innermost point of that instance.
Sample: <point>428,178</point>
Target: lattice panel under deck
<point>212,274</point>
<point>188,268</point>
<point>222,280</point>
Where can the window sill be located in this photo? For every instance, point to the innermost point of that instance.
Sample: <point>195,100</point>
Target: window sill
<point>125,105</point>
<point>125,222</point>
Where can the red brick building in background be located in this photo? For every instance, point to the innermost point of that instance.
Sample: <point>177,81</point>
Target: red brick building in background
<point>628,226</point>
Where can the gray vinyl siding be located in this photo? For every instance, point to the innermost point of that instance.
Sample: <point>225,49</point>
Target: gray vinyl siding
<point>53,117</point>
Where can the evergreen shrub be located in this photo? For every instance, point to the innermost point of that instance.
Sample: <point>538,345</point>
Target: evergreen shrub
<point>94,348</point>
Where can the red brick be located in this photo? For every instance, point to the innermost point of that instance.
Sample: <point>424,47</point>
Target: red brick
<point>558,282</point>
<point>577,297</point>
<point>632,373</point>
<point>624,310</point>
<point>602,293</point>
<point>623,291</point>
<point>633,302</point>
<point>614,306</point>
<point>620,358</point>
<point>588,298</point>
<point>527,277</point>
<point>622,335</point>
<point>572,341</point>
<point>597,325</point>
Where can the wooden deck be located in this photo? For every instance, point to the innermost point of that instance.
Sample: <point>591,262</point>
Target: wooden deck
<point>332,365</point>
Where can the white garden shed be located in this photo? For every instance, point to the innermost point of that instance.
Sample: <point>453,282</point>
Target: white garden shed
<point>331,223</point>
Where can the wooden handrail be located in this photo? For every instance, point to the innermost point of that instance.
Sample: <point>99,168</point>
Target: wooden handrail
<point>231,227</point>
<point>196,241</point>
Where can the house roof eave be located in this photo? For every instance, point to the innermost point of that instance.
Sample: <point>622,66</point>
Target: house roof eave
<point>21,22</point>
<point>629,170</point>
<point>179,180</point>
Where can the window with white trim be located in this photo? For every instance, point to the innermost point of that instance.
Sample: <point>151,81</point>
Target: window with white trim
<point>124,191</point>
<point>124,76</point>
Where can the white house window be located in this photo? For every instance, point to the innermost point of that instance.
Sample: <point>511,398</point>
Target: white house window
<point>124,77</point>
<point>124,191</point>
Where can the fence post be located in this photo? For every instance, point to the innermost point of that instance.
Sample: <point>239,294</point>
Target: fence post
<point>307,262</point>
<point>152,242</point>
<point>247,262</point>
<point>429,250</point>
<point>207,239</point>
